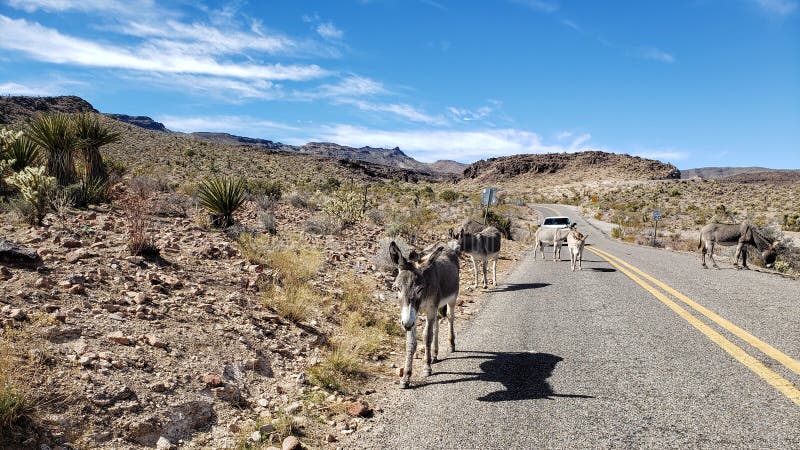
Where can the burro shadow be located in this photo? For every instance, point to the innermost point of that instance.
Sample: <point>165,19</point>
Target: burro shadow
<point>523,375</point>
<point>520,287</point>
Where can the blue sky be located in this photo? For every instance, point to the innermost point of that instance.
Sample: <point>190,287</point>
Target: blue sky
<point>691,82</point>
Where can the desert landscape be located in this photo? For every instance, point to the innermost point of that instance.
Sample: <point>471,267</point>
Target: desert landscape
<point>136,314</point>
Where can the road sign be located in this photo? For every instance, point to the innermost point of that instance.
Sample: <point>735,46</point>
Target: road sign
<point>489,196</point>
<point>657,215</point>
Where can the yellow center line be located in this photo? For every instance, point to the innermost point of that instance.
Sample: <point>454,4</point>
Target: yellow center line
<point>768,375</point>
<point>789,362</point>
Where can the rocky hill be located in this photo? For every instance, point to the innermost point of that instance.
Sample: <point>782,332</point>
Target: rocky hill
<point>771,176</point>
<point>710,173</point>
<point>140,121</point>
<point>448,166</point>
<point>569,167</point>
<point>18,109</point>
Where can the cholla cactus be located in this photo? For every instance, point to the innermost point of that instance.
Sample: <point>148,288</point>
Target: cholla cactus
<point>347,205</point>
<point>7,137</point>
<point>35,187</point>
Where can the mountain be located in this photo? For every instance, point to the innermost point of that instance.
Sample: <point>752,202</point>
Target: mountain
<point>19,109</point>
<point>568,167</point>
<point>448,166</point>
<point>140,121</point>
<point>769,176</point>
<point>710,173</point>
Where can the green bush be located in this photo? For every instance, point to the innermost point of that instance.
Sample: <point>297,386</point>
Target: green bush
<point>221,197</point>
<point>448,196</point>
<point>13,406</point>
<point>273,190</point>
<point>53,134</point>
<point>90,135</point>
<point>24,153</point>
<point>88,192</point>
<point>501,223</point>
<point>347,205</point>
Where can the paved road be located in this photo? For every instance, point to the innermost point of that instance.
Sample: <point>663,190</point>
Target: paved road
<point>595,359</point>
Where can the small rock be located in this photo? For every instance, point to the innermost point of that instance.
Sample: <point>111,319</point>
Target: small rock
<point>5,273</point>
<point>163,443</point>
<point>76,255</point>
<point>211,380</point>
<point>358,409</point>
<point>119,338</point>
<point>256,436</point>
<point>291,443</point>
<point>71,243</point>
<point>42,283</point>
<point>330,438</point>
<point>267,429</point>
<point>400,371</point>
<point>155,341</point>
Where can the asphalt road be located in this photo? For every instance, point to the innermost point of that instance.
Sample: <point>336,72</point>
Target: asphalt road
<point>595,359</point>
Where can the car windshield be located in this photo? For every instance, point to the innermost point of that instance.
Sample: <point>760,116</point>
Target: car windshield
<point>556,221</point>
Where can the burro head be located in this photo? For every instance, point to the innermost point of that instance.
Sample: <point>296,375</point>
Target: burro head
<point>770,254</point>
<point>413,283</point>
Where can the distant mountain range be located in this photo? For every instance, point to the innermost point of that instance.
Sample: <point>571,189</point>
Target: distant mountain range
<point>710,173</point>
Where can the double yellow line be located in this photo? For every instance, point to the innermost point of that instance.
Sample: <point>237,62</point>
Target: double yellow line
<point>775,380</point>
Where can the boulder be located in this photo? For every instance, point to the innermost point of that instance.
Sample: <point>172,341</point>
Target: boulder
<point>18,256</point>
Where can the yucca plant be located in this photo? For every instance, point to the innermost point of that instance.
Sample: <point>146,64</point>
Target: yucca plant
<point>36,188</point>
<point>24,152</point>
<point>53,134</point>
<point>221,197</point>
<point>91,135</point>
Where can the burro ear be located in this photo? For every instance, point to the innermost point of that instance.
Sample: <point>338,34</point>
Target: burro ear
<point>451,233</point>
<point>432,257</point>
<point>396,255</point>
<point>414,256</point>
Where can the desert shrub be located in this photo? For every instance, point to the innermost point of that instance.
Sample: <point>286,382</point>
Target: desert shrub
<point>335,371</point>
<point>448,196</point>
<point>89,192</point>
<point>293,303</point>
<point>23,152</point>
<point>298,200</point>
<point>172,204</point>
<point>90,135</point>
<point>616,232</point>
<point>53,134</point>
<point>268,220</point>
<point>347,205</point>
<point>136,206</point>
<point>322,224</point>
<point>331,184</point>
<point>270,189</point>
<point>376,216</point>
<point>115,166</point>
<point>501,223</point>
<point>221,197</point>
<point>35,188</point>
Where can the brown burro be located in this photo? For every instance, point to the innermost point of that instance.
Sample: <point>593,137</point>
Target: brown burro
<point>424,285</point>
<point>741,235</point>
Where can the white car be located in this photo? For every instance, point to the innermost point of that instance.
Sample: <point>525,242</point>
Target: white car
<point>556,222</point>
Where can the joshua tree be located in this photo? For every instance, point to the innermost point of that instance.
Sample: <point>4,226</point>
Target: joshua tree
<point>91,135</point>
<point>52,133</point>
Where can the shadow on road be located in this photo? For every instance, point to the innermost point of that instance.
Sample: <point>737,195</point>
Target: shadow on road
<point>520,287</point>
<point>602,269</point>
<point>523,375</point>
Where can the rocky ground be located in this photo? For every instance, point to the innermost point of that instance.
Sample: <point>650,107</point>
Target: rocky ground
<point>122,351</point>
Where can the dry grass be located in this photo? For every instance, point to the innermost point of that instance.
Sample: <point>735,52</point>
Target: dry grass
<point>293,303</point>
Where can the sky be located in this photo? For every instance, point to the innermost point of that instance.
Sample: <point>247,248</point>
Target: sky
<point>690,82</point>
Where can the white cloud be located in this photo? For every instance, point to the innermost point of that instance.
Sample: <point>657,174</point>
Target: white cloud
<point>657,55</point>
<point>434,144</point>
<point>117,6</point>
<point>468,114</point>
<point>563,135</point>
<point>400,109</point>
<point>329,31</point>
<point>47,88</point>
<point>780,7</point>
<point>225,124</point>
<point>571,24</point>
<point>49,45</point>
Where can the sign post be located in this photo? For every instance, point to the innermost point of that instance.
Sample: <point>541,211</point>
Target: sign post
<point>488,198</point>
<point>656,218</point>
